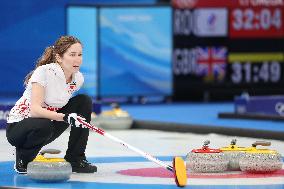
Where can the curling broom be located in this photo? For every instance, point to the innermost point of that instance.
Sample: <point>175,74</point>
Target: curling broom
<point>178,167</point>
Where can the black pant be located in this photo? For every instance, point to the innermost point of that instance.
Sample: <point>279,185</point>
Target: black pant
<point>31,134</point>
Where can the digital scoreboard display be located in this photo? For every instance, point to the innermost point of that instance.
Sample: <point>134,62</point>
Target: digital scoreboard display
<point>224,48</point>
<point>263,22</point>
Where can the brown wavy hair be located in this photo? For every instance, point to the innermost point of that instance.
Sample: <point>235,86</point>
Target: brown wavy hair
<point>60,47</point>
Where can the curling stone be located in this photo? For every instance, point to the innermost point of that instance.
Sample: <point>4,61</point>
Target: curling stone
<point>257,160</point>
<point>44,169</point>
<point>114,119</point>
<point>234,153</point>
<point>206,160</point>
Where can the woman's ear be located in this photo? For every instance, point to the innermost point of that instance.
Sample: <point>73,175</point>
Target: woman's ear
<point>58,58</point>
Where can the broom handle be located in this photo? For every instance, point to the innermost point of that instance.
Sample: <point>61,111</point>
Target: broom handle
<point>145,155</point>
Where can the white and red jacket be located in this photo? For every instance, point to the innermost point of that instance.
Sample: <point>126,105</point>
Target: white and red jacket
<point>57,91</point>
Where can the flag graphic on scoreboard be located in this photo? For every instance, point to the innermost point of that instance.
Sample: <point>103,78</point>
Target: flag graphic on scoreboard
<point>211,62</point>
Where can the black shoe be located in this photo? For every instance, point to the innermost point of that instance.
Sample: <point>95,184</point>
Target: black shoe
<point>20,166</point>
<point>82,166</point>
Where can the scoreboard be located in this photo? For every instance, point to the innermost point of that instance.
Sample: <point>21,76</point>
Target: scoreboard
<point>224,48</point>
<point>256,22</point>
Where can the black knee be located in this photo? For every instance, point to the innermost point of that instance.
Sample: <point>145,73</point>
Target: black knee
<point>85,103</point>
<point>84,99</point>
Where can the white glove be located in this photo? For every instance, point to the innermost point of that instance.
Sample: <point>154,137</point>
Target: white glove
<point>72,119</point>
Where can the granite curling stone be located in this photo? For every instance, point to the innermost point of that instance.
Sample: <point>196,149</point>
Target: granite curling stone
<point>114,119</point>
<point>206,160</point>
<point>234,153</point>
<point>257,160</point>
<point>43,169</point>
